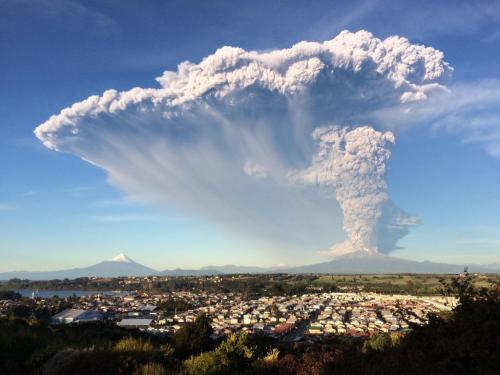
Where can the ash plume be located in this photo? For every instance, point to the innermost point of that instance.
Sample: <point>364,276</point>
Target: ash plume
<point>350,166</point>
<point>235,139</point>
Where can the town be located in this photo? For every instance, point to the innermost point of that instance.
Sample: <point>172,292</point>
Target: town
<point>309,315</point>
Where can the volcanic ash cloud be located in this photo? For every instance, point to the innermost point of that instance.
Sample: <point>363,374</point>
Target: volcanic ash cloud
<point>245,139</point>
<point>350,166</point>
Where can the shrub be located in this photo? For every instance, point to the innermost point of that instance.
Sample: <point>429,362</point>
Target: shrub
<point>232,356</point>
<point>153,368</point>
<point>203,364</point>
<point>130,344</point>
<point>272,355</point>
<point>378,343</point>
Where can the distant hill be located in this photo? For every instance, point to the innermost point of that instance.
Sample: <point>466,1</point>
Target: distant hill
<point>232,269</point>
<point>121,265</point>
<point>185,272</point>
<point>354,263</point>
<point>361,262</point>
<point>493,266</point>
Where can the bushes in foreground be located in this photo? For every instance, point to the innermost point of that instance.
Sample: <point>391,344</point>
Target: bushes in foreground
<point>232,356</point>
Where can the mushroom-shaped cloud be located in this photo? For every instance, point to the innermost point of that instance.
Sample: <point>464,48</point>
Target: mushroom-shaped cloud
<point>281,144</point>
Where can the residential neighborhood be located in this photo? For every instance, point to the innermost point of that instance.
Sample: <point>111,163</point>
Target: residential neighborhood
<point>293,318</point>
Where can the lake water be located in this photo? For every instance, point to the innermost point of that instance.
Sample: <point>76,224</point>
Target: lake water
<point>69,293</point>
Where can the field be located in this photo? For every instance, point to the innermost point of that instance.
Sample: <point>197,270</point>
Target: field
<point>405,283</point>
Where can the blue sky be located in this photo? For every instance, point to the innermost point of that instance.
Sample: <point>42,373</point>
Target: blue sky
<point>58,211</point>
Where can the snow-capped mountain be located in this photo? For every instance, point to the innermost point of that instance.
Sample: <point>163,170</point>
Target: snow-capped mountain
<point>120,265</point>
<point>122,258</point>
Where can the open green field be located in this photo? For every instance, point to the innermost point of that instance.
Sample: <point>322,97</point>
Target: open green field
<point>405,283</point>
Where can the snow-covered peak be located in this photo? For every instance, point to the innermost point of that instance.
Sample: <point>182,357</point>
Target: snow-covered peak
<point>122,258</point>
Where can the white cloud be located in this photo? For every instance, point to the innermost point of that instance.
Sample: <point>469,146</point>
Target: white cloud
<point>220,139</point>
<point>255,170</point>
<point>470,110</point>
<point>384,70</point>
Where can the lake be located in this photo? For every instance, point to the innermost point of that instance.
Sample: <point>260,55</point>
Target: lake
<point>69,293</point>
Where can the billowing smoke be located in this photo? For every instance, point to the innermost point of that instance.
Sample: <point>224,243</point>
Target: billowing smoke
<point>284,145</point>
<point>350,166</point>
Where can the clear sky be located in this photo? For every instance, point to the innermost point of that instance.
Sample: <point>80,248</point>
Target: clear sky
<point>58,211</point>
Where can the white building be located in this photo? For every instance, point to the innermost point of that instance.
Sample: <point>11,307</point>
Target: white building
<point>135,323</point>
<point>75,315</point>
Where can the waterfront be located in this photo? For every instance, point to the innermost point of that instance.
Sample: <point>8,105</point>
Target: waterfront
<point>70,293</point>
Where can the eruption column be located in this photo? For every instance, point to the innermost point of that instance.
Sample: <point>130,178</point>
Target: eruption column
<point>350,167</point>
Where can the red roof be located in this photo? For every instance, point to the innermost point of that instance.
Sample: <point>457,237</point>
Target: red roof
<point>283,328</point>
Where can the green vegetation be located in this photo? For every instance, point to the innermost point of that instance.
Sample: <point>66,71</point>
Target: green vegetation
<point>9,295</point>
<point>130,344</point>
<point>256,285</point>
<point>93,348</point>
<point>81,283</point>
<point>29,309</point>
<point>380,343</point>
<point>172,305</point>
<point>232,356</point>
<point>464,341</point>
<point>397,284</point>
<point>194,337</point>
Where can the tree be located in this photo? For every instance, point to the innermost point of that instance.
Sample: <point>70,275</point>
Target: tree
<point>9,295</point>
<point>21,311</point>
<point>194,337</point>
<point>378,343</point>
<point>276,312</point>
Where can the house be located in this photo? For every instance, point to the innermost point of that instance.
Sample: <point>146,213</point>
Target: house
<point>76,315</point>
<point>134,323</point>
<point>283,328</point>
<point>147,308</point>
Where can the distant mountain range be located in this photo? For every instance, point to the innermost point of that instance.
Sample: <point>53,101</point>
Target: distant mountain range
<point>121,265</point>
<point>363,263</point>
<point>494,266</point>
<point>232,269</point>
<point>354,263</point>
<point>186,272</point>
<point>360,262</point>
